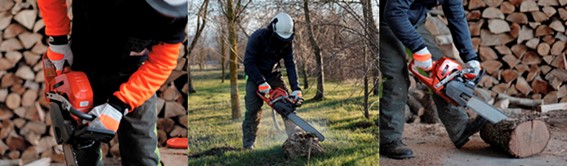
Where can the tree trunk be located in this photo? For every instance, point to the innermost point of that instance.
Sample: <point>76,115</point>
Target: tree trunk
<point>223,54</point>
<point>232,37</point>
<point>373,39</point>
<point>317,51</point>
<point>519,137</point>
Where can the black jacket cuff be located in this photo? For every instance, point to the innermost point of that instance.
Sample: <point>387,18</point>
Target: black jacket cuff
<point>119,104</point>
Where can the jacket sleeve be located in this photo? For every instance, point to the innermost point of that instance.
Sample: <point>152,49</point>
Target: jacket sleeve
<point>291,69</point>
<point>396,16</point>
<point>150,76</point>
<point>459,28</point>
<point>250,56</point>
<point>54,13</point>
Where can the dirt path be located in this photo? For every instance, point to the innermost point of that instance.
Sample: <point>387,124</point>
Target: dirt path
<point>432,146</point>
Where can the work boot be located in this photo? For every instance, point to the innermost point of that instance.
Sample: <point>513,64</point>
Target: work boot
<point>471,128</point>
<point>396,150</point>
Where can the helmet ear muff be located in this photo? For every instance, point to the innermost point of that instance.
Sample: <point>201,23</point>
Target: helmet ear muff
<point>273,24</point>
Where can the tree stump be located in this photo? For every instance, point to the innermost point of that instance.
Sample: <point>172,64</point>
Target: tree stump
<point>518,137</point>
<point>301,144</point>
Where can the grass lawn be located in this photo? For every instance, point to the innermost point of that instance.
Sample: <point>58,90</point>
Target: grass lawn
<point>350,138</point>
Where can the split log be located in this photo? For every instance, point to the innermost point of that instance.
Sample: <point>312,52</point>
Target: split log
<point>523,86</point>
<point>492,12</point>
<point>557,26</point>
<point>540,86</point>
<point>543,30</point>
<point>549,39</point>
<point>519,50</point>
<point>543,49</point>
<point>528,6</point>
<point>474,15</point>
<point>503,50</point>
<point>507,8</point>
<point>12,44</point>
<point>549,11</point>
<point>519,18</point>
<point>557,48</point>
<point>519,138</point>
<point>514,30</point>
<point>490,39</point>
<point>493,3</point>
<point>509,75</point>
<point>534,72</point>
<point>26,18</point>
<point>178,132</point>
<point>547,2</point>
<point>519,101</point>
<point>165,124</point>
<point>532,43</point>
<point>562,13</point>
<point>475,4</point>
<point>550,97</point>
<point>491,66</point>
<point>539,16</point>
<point>497,26</point>
<point>183,120</point>
<point>511,60</point>
<point>531,58</point>
<point>487,53</point>
<point>5,19</point>
<point>173,109</point>
<point>13,30</point>
<point>559,62</point>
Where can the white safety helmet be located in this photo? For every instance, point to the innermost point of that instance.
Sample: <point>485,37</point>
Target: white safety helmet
<point>282,25</point>
<point>170,8</point>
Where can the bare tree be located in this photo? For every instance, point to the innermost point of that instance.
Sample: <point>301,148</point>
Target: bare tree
<point>201,22</point>
<point>232,13</point>
<point>317,51</point>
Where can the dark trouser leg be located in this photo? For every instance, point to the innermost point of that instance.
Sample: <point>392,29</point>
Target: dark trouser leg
<point>395,86</point>
<point>137,135</point>
<point>253,114</point>
<point>453,118</point>
<point>289,126</point>
<point>88,153</point>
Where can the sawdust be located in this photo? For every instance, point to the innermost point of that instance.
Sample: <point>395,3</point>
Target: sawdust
<point>301,144</point>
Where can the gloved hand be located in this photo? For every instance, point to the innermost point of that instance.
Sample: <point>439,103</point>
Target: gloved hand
<point>108,115</point>
<point>59,52</point>
<point>297,97</point>
<point>264,88</point>
<point>475,68</point>
<point>422,59</point>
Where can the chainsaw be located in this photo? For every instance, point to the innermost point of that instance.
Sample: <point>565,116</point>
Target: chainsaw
<point>456,86</point>
<point>284,105</point>
<point>71,98</point>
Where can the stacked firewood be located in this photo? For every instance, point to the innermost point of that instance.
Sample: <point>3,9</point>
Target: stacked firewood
<point>25,125</point>
<point>521,44</point>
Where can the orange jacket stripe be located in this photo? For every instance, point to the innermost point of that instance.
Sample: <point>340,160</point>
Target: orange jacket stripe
<point>54,13</point>
<point>109,122</point>
<point>150,76</point>
<point>54,56</point>
<point>421,57</point>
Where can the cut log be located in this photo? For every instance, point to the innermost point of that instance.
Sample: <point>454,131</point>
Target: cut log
<point>532,43</point>
<point>547,2</point>
<point>45,144</point>
<point>539,16</point>
<point>543,49</point>
<point>19,122</point>
<point>5,114</point>
<point>13,100</point>
<point>492,12</point>
<point>173,109</point>
<point>486,53</point>
<point>557,26</point>
<point>490,39</point>
<point>3,95</point>
<point>497,26</point>
<point>543,30</point>
<point>12,44</point>
<point>562,2</point>
<point>526,33</point>
<point>531,58</point>
<point>540,86</point>
<point>528,6</point>
<point>26,18</point>
<point>509,75</point>
<point>31,58</point>
<point>549,11</point>
<point>493,3</point>
<point>25,72</point>
<point>39,48</point>
<point>507,8</point>
<point>474,15</point>
<point>415,107</point>
<point>5,19</point>
<point>519,101</point>
<point>557,48</point>
<point>165,124</point>
<point>13,30</point>
<point>519,138</point>
<point>549,39</point>
<point>519,50</point>
<point>475,27</point>
<point>171,93</point>
<point>548,59</point>
<point>557,73</point>
<point>14,57</point>
<point>561,37</point>
<point>491,66</point>
<point>32,126</point>
<point>8,80</point>
<point>559,61</point>
<point>16,143</point>
<point>562,13</point>
<point>523,86</point>
<point>7,129</point>
<point>178,132</point>
<point>503,50</point>
<point>534,72</point>
<point>3,149</point>
<point>514,30</point>
<point>475,4</point>
<point>30,155</point>
<point>14,155</point>
<point>511,60</point>
<point>550,97</point>
<point>29,39</point>
<point>519,18</point>
<point>545,69</point>
<point>516,2</point>
<point>183,120</point>
<point>475,41</point>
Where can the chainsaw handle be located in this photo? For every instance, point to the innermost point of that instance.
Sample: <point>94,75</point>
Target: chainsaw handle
<point>82,115</point>
<point>263,97</point>
<point>426,80</point>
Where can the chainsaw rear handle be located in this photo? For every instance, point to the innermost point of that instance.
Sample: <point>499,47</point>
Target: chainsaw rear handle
<point>424,79</point>
<point>270,102</point>
<point>82,115</point>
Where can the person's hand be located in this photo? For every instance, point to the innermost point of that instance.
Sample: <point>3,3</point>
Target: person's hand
<point>297,97</point>
<point>264,88</point>
<point>474,69</point>
<point>107,117</point>
<point>422,59</point>
<point>59,53</point>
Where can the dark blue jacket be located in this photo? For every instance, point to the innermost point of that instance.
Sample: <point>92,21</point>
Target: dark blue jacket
<point>263,52</point>
<point>402,15</point>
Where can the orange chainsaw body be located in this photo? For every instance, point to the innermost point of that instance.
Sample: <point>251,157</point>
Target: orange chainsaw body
<point>74,85</point>
<point>440,70</point>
